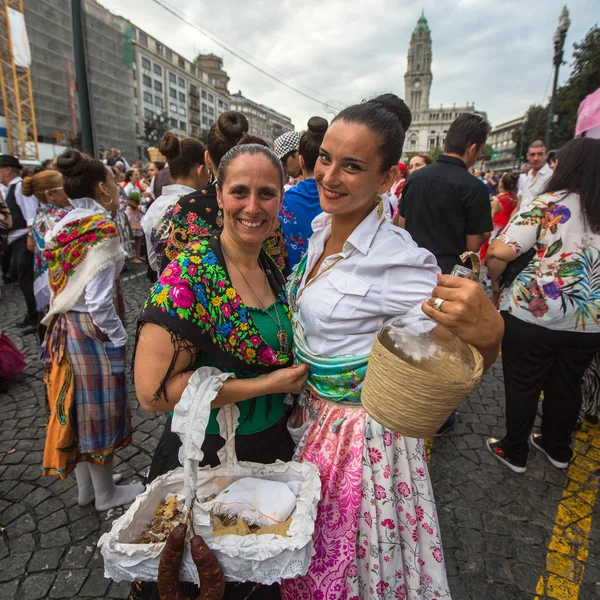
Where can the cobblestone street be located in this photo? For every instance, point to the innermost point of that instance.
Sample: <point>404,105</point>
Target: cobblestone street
<point>506,536</point>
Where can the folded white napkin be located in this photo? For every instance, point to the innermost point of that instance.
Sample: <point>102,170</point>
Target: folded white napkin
<point>260,502</point>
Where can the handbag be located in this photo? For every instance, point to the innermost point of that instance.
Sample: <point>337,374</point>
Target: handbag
<point>514,267</point>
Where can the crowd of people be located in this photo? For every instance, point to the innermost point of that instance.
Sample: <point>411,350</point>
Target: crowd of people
<point>279,266</point>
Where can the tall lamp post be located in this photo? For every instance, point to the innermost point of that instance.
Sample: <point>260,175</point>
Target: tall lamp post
<point>559,43</point>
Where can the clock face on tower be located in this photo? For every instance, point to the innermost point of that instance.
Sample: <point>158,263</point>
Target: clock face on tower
<point>416,85</point>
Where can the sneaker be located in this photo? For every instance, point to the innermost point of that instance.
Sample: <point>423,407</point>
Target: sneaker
<point>494,445</point>
<point>537,442</point>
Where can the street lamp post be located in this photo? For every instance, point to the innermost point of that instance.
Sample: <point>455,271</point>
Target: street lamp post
<point>559,43</point>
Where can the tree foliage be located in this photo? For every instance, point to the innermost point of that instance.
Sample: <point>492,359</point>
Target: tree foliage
<point>155,128</point>
<point>583,80</point>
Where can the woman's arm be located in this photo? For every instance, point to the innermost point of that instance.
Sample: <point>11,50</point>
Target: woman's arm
<point>155,351</point>
<point>496,206</point>
<point>499,254</point>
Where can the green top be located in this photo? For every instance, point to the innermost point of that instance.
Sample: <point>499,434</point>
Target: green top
<point>260,420</point>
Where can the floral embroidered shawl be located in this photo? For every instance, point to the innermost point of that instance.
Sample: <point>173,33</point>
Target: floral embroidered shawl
<point>195,301</point>
<point>75,253</point>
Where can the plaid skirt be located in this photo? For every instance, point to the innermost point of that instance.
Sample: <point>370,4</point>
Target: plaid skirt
<point>88,413</point>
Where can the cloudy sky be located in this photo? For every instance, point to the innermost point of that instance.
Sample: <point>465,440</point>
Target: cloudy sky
<point>496,53</point>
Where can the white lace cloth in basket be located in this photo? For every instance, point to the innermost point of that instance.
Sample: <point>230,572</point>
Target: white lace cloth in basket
<point>263,559</point>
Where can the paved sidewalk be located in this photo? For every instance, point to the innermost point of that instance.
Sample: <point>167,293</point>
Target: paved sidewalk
<point>506,536</point>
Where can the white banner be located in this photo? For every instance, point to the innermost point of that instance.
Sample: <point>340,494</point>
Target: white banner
<point>20,41</point>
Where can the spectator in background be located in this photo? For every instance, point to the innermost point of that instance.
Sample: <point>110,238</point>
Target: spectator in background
<point>301,202</point>
<point>132,177</point>
<point>492,181</point>
<point>115,158</point>
<point>538,176</point>
<point>550,308</point>
<point>20,237</point>
<point>443,207</point>
<point>418,162</point>
<point>286,148</point>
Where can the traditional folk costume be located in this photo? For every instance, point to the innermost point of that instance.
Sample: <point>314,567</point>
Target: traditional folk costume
<point>157,222</point>
<point>376,532</point>
<point>46,218</point>
<point>195,301</point>
<point>84,348</point>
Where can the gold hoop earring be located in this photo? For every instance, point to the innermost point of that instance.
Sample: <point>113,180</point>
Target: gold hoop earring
<point>109,200</point>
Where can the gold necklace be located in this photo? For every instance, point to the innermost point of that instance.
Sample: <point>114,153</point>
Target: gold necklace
<point>282,336</point>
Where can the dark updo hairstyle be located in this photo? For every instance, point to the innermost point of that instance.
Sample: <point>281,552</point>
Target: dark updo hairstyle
<point>182,154</point>
<point>225,134</point>
<point>510,181</point>
<point>311,140</point>
<point>577,172</point>
<point>250,150</point>
<point>252,139</point>
<point>81,173</point>
<point>389,117</point>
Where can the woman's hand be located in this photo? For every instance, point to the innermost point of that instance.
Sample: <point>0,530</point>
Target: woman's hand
<point>468,313</point>
<point>290,380</point>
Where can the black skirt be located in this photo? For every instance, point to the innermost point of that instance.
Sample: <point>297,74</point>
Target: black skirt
<point>265,447</point>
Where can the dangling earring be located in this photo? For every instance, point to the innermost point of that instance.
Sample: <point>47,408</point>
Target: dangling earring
<point>109,200</point>
<point>219,220</point>
<point>211,176</point>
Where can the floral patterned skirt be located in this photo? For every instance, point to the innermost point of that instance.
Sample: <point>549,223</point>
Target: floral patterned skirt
<point>376,532</point>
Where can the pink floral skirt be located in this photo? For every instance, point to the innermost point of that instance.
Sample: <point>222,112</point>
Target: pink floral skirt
<point>376,532</point>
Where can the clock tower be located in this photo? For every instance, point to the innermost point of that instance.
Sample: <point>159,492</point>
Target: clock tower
<point>418,77</point>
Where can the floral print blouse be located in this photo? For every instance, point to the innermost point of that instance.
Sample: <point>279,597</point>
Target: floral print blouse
<point>560,287</point>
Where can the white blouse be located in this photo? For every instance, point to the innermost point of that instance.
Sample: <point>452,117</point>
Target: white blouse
<point>98,298</point>
<point>383,274</point>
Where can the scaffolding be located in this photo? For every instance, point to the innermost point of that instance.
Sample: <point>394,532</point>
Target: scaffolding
<point>17,95</point>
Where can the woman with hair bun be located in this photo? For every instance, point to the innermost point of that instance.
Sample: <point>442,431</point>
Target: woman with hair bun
<point>185,157</point>
<point>197,214</point>
<point>84,347</point>
<point>376,532</point>
<point>47,187</point>
<point>301,202</point>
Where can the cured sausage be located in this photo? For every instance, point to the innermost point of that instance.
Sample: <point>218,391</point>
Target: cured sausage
<point>170,564</point>
<point>210,573</point>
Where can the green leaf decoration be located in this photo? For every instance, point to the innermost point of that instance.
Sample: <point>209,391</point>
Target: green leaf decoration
<point>570,268</point>
<point>554,248</point>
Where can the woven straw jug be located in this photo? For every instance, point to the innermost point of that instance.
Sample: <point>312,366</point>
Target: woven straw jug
<point>155,155</point>
<point>418,374</point>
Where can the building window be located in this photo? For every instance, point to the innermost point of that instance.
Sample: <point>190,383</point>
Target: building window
<point>204,107</point>
<point>220,103</point>
<point>172,77</point>
<point>183,125</point>
<point>143,38</point>
<point>172,92</point>
<point>158,101</point>
<point>182,111</point>
<point>158,85</point>
<point>173,107</point>
<point>432,143</point>
<point>173,123</point>
<point>181,97</point>
<point>204,94</point>
<point>135,110</point>
<point>159,48</point>
<point>181,82</point>
<point>413,143</point>
<point>148,97</point>
<point>193,70</point>
<point>148,114</point>
<point>137,128</point>
<point>157,69</point>
<point>169,54</point>
<point>225,105</point>
<point>211,110</point>
<point>204,120</point>
<point>145,63</point>
<point>210,80</point>
<point>211,98</point>
<point>181,62</point>
<point>147,80</point>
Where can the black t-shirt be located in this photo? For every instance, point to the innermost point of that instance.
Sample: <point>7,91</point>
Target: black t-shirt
<point>442,204</point>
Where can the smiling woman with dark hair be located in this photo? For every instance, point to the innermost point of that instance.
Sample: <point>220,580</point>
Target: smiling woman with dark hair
<point>550,308</point>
